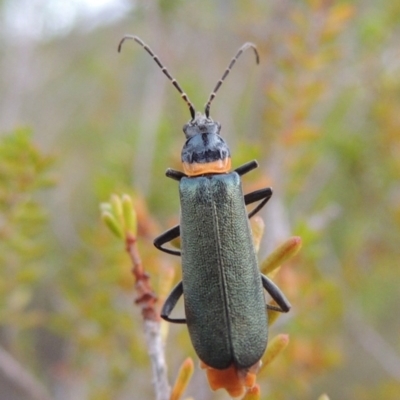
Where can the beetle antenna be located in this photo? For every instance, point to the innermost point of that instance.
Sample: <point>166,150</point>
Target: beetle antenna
<point>228,69</point>
<point>164,69</point>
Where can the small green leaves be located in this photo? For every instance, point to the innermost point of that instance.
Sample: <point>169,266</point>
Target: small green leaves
<point>283,253</point>
<point>272,316</point>
<point>116,206</point>
<point>323,397</point>
<point>112,223</point>
<point>129,215</point>
<point>275,347</point>
<point>24,174</point>
<point>257,227</point>
<point>120,216</point>
<point>182,380</point>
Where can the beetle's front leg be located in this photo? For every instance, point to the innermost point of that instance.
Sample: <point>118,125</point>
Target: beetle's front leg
<point>174,174</point>
<point>276,294</point>
<point>245,168</point>
<point>170,304</point>
<point>166,237</point>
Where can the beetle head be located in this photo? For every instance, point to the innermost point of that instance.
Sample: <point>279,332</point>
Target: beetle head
<point>204,152</point>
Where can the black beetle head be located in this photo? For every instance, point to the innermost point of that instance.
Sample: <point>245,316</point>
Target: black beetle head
<point>205,151</point>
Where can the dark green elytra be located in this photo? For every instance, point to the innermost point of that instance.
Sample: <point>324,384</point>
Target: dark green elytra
<point>225,311</point>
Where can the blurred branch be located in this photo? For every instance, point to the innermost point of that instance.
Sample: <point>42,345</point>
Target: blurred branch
<point>369,339</point>
<point>279,227</point>
<point>152,104</point>
<point>153,100</point>
<point>120,217</point>
<point>21,378</point>
<point>374,344</point>
<point>155,348</point>
<point>152,326</point>
<point>146,297</point>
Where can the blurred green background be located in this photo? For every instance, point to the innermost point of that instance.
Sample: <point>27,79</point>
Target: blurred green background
<point>80,121</point>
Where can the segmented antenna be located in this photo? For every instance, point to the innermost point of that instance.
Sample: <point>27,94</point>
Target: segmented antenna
<point>231,64</point>
<point>164,69</point>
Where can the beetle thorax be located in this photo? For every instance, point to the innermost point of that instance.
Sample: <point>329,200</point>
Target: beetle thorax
<point>205,152</point>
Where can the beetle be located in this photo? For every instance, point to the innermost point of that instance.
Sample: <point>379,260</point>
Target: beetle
<point>224,301</point>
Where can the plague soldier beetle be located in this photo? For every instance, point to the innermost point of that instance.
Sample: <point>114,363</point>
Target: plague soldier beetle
<point>224,301</point>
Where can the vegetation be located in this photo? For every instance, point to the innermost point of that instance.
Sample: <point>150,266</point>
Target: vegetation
<point>320,114</point>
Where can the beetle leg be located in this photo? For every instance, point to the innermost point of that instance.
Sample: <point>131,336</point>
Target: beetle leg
<point>261,194</point>
<point>245,168</point>
<point>166,237</point>
<point>170,304</point>
<point>174,174</point>
<point>276,294</point>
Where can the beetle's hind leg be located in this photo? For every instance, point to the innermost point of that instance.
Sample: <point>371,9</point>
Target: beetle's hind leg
<point>166,237</point>
<point>170,304</point>
<point>261,194</point>
<point>276,294</point>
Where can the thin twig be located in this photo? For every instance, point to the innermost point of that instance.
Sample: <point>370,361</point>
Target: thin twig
<point>21,378</point>
<point>147,299</point>
<point>155,348</point>
<point>374,344</point>
<point>370,339</point>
